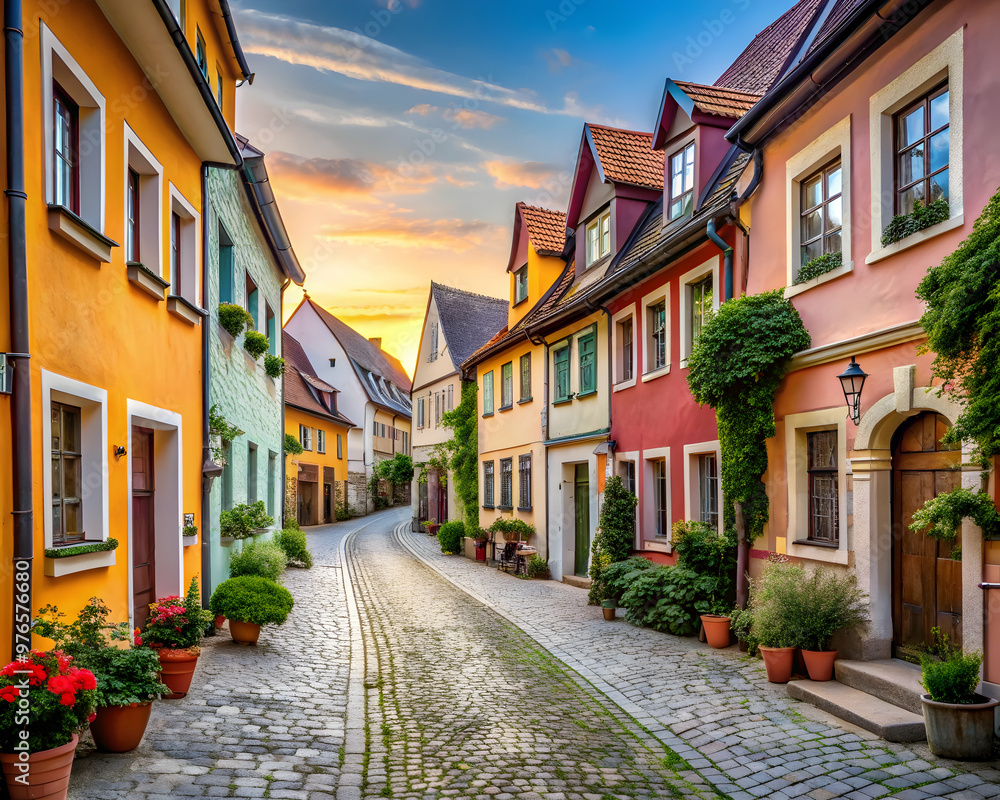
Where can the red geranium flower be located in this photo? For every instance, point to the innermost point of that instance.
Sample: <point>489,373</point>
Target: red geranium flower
<point>68,699</point>
<point>9,693</point>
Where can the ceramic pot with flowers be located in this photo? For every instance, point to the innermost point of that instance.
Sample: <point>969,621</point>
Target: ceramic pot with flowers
<point>45,701</point>
<point>174,630</point>
<point>248,602</point>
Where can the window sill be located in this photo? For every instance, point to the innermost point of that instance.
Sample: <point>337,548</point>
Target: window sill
<point>605,259</point>
<point>518,302</point>
<point>817,551</point>
<point>659,372</point>
<point>581,395</point>
<point>57,567</point>
<point>880,253</point>
<point>185,310</point>
<point>505,508</point>
<point>658,544</point>
<point>623,385</point>
<point>77,231</point>
<point>146,280</point>
<point>524,400</point>
<point>488,508</point>
<point>505,408</point>
<point>524,508</point>
<point>487,414</point>
<point>563,401</point>
<point>799,288</point>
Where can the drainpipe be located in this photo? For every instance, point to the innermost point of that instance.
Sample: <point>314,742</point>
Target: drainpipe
<point>20,408</point>
<point>281,439</point>
<point>206,400</point>
<point>545,431</point>
<point>727,253</point>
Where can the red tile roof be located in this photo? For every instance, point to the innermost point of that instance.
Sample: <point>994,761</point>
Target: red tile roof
<point>767,57</point>
<point>299,371</point>
<point>628,156</point>
<point>717,100</point>
<point>546,229</point>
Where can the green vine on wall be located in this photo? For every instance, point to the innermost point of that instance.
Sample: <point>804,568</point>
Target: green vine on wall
<point>463,452</point>
<point>735,367</point>
<point>219,426</point>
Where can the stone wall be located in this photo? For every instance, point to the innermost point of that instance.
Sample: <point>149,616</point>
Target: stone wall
<point>357,493</point>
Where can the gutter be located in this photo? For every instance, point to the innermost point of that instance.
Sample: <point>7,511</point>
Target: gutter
<point>234,40</point>
<point>20,410</point>
<point>258,186</point>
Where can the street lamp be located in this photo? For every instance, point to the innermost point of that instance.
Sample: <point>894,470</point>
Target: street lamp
<point>852,380</point>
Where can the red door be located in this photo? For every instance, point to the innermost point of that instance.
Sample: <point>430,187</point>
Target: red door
<point>143,563</point>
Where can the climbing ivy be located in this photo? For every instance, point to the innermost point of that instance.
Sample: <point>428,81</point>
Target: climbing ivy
<point>735,367</point>
<point>942,515</point>
<point>463,452</point>
<point>903,225</point>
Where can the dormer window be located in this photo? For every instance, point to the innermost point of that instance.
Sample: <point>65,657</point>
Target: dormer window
<point>521,284</point>
<point>599,238</point>
<point>682,182</point>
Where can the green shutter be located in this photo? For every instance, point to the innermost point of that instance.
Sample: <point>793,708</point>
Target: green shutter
<point>588,362</point>
<point>562,374</point>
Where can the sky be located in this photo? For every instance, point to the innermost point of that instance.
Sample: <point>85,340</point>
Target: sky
<point>400,133</point>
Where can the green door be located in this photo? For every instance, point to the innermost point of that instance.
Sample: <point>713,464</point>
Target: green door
<point>582,496</point>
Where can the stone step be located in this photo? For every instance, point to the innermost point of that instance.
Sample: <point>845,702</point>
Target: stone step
<point>577,581</point>
<point>892,723</point>
<point>891,679</point>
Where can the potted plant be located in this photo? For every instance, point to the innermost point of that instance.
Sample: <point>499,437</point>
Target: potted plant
<point>255,343</point>
<point>774,630</point>
<point>174,631</point>
<point>244,520</point>
<point>249,602</point>
<point>235,319</point>
<point>512,529</point>
<point>716,624</point>
<point>480,540</point>
<point>127,677</point>
<point>959,721</point>
<point>45,702</point>
<point>820,605</point>
<point>432,526</point>
<point>274,366</point>
<point>608,609</point>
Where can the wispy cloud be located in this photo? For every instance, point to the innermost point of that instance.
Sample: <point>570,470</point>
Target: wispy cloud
<point>510,173</point>
<point>453,235</point>
<point>306,178</point>
<point>460,117</point>
<point>558,59</point>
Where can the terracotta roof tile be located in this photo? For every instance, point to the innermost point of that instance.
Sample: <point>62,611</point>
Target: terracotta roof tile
<point>628,156</point>
<point>299,371</point>
<point>765,59</point>
<point>717,100</point>
<point>546,229</point>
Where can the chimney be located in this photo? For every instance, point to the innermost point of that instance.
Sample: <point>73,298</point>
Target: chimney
<point>376,340</point>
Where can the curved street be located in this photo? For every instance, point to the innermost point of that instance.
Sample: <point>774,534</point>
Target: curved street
<point>415,675</point>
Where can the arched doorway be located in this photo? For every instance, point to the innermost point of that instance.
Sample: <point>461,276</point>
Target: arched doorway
<point>926,573</point>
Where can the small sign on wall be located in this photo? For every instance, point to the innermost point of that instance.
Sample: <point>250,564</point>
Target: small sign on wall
<point>188,520</point>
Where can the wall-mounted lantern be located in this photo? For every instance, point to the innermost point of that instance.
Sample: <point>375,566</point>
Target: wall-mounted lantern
<point>852,380</point>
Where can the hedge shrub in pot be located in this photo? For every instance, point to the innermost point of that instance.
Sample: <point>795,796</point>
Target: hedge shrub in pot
<point>258,557</point>
<point>249,602</point>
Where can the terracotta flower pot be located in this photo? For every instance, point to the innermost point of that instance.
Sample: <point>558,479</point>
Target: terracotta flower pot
<point>778,663</point>
<point>47,774</point>
<point>961,731</point>
<point>244,632</point>
<point>716,630</point>
<point>220,620</point>
<point>118,729</point>
<point>609,613</point>
<point>177,670</point>
<point>819,664</point>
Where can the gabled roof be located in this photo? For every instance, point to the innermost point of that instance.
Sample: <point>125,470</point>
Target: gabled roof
<point>299,375</point>
<point>468,320</point>
<point>546,229</point>
<point>710,105</point>
<point>837,15</point>
<point>770,53</point>
<point>626,156</point>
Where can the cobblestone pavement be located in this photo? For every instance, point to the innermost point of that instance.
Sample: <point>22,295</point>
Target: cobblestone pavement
<point>714,709</point>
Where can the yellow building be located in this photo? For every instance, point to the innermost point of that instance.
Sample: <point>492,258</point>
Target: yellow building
<point>317,476</point>
<point>122,105</point>
<point>510,372</point>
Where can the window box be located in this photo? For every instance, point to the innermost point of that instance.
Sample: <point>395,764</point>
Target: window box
<point>184,309</point>
<point>145,279</point>
<point>914,239</point>
<point>77,231</point>
<point>67,565</point>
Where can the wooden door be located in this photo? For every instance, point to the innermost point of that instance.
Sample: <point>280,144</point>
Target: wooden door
<point>143,533</point>
<point>926,578</point>
<point>327,502</point>
<point>582,518</point>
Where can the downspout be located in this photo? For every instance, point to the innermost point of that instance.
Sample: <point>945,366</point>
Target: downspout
<point>20,409</point>
<point>727,254</point>
<point>206,436</point>
<point>281,442</point>
<point>545,431</point>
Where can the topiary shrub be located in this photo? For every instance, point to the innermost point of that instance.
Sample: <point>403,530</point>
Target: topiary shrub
<point>251,598</point>
<point>234,319</point>
<point>450,536</point>
<point>256,344</point>
<point>257,557</point>
<point>953,678</point>
<point>293,542</point>
<point>274,365</point>
<point>616,535</point>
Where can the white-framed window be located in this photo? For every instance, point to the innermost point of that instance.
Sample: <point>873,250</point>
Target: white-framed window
<point>73,113</point>
<point>598,239</point>
<point>655,504</point>
<point>702,487</point>
<point>340,446</point>
<point>937,78</point>
<point>420,412</point>
<point>305,437</point>
<point>201,54</point>
<point>521,285</point>
<point>681,186</point>
<point>184,237</point>
<point>699,290</point>
<point>75,452</point>
<point>433,354</point>
<point>320,441</point>
<point>450,391</point>
<point>143,204</point>
<point>656,339</point>
<point>625,332</point>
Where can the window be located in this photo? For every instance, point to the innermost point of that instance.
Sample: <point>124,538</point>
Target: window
<point>143,205</point>
<point>305,437</point>
<point>320,441</point>
<point>682,182</point>
<point>561,359</point>
<point>272,480</point>
<point>227,476</point>
<point>506,482</point>
<point>252,303</point>
<point>340,446</point>
<point>201,53</point>
<point>625,334</point>
<point>218,89</point>
<point>599,238</point>
<point>420,411</point>
<point>432,356</point>
<point>67,478</point>
<point>183,238</point>
<point>488,393</point>
<point>921,151</point>
<point>660,490</point>
<point>824,503</point>
<point>708,490</point>
<point>487,484</point>
<point>251,472</point>
<point>507,385</point>
<point>587,354</point>
<point>628,476</point>
<point>658,335</point>
<point>525,377</point>
<point>701,305</point>
<point>175,253</point>
<point>524,482</point>
<point>451,397</point>
<point>132,252</point>
<point>66,149</point>
<point>270,328</point>
<point>227,264</point>
<point>821,212</point>
<point>521,284</point>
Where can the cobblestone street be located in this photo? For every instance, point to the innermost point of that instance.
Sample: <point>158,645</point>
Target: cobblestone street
<point>435,676</point>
